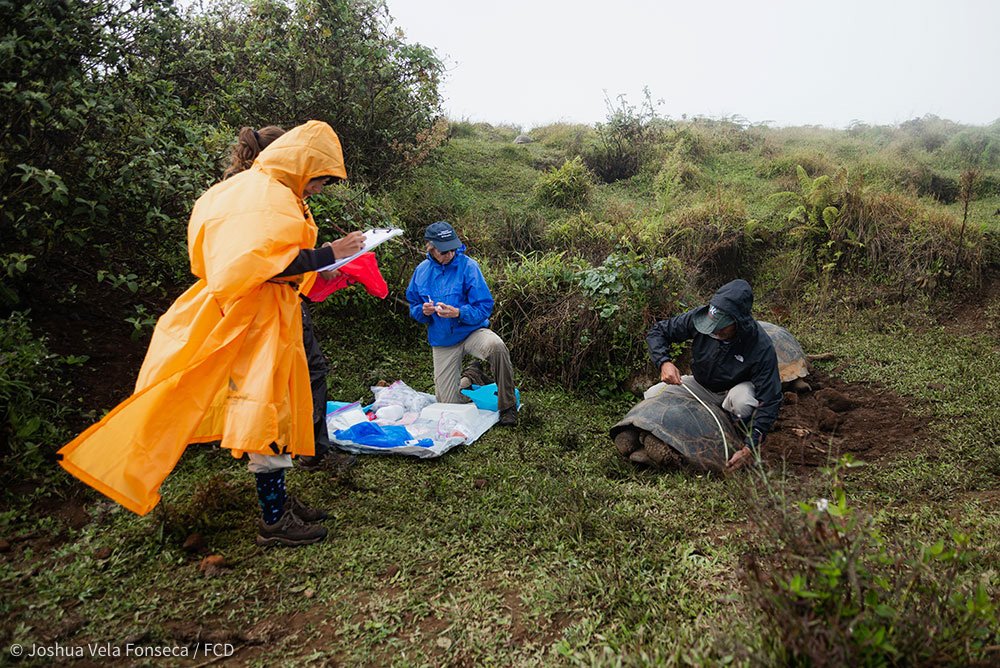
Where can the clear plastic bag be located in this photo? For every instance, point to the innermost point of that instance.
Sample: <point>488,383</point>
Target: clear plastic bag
<point>449,427</point>
<point>401,394</point>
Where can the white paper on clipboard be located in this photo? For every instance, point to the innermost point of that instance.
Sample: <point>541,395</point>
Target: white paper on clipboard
<point>372,239</point>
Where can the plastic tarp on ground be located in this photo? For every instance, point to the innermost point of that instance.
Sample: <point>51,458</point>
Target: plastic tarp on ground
<point>399,427</point>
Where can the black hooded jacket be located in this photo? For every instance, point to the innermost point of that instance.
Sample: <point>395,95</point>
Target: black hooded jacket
<point>721,365</point>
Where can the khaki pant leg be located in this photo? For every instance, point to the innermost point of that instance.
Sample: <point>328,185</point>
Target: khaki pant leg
<point>448,373</point>
<point>741,400</point>
<point>487,345</point>
<point>267,463</point>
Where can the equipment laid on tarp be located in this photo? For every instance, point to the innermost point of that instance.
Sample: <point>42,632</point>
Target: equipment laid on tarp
<point>486,396</point>
<point>403,421</point>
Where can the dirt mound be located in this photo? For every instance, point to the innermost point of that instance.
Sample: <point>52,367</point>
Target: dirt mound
<point>816,427</point>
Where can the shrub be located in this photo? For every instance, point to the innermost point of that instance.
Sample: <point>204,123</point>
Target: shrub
<point>582,235</point>
<point>625,141</point>
<point>840,226</point>
<point>833,591</point>
<point>504,228</point>
<point>575,323</point>
<point>430,197</point>
<point>786,166</point>
<point>569,137</point>
<point>676,176</point>
<point>32,402</point>
<point>96,155</point>
<point>268,61</point>
<point>567,187</point>
<point>699,139</point>
<point>714,237</point>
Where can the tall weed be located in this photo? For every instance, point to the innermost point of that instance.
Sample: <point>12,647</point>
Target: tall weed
<point>832,590</point>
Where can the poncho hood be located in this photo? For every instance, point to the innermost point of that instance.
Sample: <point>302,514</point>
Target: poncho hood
<point>304,153</point>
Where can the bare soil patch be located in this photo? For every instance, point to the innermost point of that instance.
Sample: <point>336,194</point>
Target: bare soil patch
<point>815,428</point>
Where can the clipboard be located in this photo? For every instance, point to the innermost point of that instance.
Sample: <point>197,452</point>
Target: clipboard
<point>373,238</point>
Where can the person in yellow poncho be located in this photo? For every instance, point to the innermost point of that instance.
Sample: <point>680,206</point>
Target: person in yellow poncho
<point>249,143</point>
<point>226,361</point>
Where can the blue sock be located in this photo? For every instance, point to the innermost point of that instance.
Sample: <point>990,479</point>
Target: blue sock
<point>271,494</point>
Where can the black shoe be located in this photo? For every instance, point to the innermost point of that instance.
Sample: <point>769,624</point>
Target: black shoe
<point>508,417</point>
<point>289,531</point>
<point>304,512</point>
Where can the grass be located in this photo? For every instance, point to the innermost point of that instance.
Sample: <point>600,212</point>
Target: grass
<point>530,547</point>
<point>533,546</point>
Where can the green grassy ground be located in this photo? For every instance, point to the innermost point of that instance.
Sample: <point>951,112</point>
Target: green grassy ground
<point>532,546</point>
<point>537,545</point>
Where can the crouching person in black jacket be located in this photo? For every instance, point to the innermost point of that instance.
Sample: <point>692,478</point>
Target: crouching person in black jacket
<point>732,360</point>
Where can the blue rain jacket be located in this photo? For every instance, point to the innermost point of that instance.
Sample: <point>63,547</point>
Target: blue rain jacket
<point>459,283</point>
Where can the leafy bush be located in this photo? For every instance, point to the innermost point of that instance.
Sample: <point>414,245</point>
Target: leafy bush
<point>567,187</point>
<point>974,147</point>
<point>270,62</point>
<point>839,226</point>
<point>580,324</point>
<point>431,197</point>
<point>584,236</point>
<point>832,591</point>
<point>503,228</point>
<point>32,403</point>
<point>714,236</point>
<point>676,176</point>
<point>95,155</point>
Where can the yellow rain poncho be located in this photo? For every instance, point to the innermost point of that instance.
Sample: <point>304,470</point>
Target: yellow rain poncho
<point>226,361</point>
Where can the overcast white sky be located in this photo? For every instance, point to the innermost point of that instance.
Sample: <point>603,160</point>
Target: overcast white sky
<point>788,62</point>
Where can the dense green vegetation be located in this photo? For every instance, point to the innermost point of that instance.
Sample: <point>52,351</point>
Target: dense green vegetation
<point>877,244</point>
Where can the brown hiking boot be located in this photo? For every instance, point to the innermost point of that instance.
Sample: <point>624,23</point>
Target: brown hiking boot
<point>289,531</point>
<point>508,417</point>
<point>304,512</point>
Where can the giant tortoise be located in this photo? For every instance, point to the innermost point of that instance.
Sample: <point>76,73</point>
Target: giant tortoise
<point>674,429</point>
<point>792,362</point>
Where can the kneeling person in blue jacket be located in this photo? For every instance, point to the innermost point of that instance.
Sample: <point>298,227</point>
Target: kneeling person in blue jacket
<point>449,294</point>
<point>732,359</point>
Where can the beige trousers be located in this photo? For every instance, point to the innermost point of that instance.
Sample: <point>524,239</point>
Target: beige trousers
<point>739,401</point>
<point>483,344</point>
<point>266,463</point>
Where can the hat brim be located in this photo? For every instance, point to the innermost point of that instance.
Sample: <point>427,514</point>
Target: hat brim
<point>445,246</point>
<point>706,325</point>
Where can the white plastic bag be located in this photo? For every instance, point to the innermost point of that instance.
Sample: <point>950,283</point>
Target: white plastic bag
<point>345,418</point>
<point>401,394</point>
